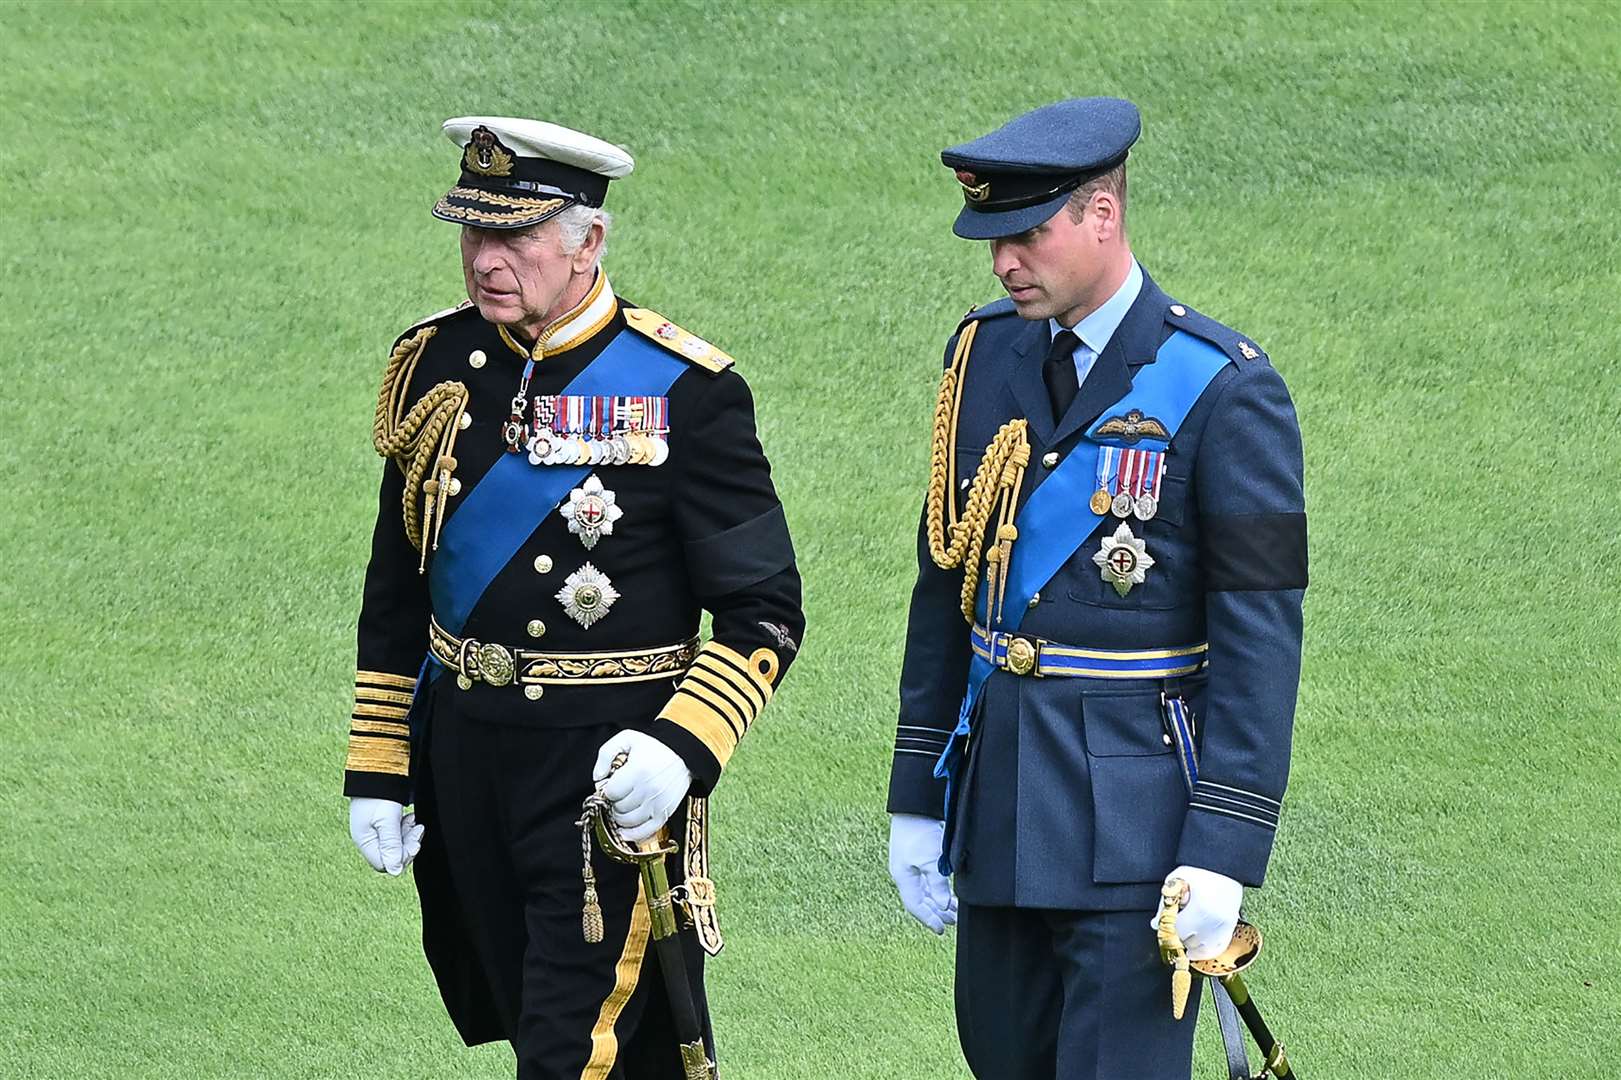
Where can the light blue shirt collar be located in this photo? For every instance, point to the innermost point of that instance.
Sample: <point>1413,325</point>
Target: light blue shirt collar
<point>1097,328</point>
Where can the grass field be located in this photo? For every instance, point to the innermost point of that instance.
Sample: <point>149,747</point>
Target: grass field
<point>215,219</point>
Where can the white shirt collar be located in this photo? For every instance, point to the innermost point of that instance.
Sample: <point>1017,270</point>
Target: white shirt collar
<point>1097,328</point>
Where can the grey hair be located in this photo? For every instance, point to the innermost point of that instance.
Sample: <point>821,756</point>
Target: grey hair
<point>574,225</point>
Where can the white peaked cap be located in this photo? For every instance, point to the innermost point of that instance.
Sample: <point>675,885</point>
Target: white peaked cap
<point>539,139</point>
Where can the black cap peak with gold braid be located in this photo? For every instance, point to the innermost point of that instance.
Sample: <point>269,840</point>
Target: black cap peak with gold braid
<point>516,173</point>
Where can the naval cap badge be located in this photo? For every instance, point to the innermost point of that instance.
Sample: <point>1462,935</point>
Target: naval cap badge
<point>1123,560</point>
<point>485,155</point>
<point>591,512</point>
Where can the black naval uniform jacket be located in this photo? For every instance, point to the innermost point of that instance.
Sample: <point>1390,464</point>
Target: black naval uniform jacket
<point>1071,796</point>
<point>701,531</point>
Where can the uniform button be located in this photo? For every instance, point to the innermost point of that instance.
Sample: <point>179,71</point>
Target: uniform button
<point>1178,310</point>
<point>1166,739</point>
<point>1050,458</point>
<point>1036,599</point>
<point>543,564</point>
<point>466,421</point>
<point>455,487</point>
<point>536,628</point>
<point>477,358</point>
<point>533,691</point>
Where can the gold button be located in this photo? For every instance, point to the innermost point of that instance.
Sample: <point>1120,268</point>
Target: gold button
<point>536,628</point>
<point>477,358</point>
<point>533,691</point>
<point>455,487</point>
<point>466,421</point>
<point>1178,310</point>
<point>543,564</point>
<point>1050,458</point>
<point>1036,599</point>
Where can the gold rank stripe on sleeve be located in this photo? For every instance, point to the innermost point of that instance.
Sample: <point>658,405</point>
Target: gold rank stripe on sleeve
<point>721,696</point>
<point>379,736</point>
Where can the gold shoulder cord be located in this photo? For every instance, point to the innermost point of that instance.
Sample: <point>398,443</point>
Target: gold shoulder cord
<point>1001,473</point>
<point>419,439</point>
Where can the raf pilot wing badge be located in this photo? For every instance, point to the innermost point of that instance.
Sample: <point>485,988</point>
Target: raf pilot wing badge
<point>1133,426</point>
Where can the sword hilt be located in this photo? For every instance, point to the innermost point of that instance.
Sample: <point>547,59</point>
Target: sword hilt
<point>1173,897</point>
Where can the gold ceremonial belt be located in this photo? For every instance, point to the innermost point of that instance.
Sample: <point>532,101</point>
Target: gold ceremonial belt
<point>500,665</point>
<point>1023,654</point>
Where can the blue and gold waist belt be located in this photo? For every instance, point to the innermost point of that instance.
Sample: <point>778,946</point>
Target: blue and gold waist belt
<point>501,665</point>
<point>1023,654</point>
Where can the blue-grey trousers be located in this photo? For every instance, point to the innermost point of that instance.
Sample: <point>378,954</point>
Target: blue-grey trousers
<point>1067,995</point>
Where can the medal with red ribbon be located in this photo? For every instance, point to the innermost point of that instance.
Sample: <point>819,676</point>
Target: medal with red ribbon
<point>1128,482</point>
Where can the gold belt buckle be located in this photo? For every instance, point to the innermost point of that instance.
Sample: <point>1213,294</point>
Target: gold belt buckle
<point>487,662</point>
<point>496,665</point>
<point>1021,656</point>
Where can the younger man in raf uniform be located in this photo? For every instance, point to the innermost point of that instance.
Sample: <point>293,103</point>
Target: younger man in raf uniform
<point>570,480</point>
<point>1104,641</point>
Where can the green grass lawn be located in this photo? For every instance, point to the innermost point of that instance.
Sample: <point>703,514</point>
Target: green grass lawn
<point>214,220</point>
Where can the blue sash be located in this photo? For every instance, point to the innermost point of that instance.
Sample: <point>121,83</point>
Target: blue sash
<point>506,507</point>
<point>1057,518</point>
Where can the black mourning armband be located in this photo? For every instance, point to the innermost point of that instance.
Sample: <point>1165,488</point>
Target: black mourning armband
<point>1247,552</point>
<point>744,555</point>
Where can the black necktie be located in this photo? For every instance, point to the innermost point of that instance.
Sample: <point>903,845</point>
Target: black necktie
<point>1059,373</point>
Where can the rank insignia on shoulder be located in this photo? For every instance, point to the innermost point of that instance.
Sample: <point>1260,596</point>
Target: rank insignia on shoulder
<point>1249,351</point>
<point>683,343</point>
<point>1133,426</point>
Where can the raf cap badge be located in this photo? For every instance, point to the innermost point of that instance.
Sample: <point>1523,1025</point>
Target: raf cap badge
<point>1133,426</point>
<point>1123,560</point>
<point>586,595</point>
<point>591,512</point>
<point>972,189</point>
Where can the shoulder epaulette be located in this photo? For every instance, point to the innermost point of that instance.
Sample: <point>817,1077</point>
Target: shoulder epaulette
<point>685,344</point>
<point>435,317</point>
<point>1238,348</point>
<point>991,310</point>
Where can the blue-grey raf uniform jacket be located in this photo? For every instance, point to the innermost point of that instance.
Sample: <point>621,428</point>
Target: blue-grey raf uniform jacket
<point>1071,795</point>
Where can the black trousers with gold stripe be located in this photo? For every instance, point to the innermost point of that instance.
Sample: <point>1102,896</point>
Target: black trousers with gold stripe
<point>499,879</point>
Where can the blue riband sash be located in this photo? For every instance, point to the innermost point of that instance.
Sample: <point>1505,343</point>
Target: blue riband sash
<point>506,507</point>
<point>1057,518</point>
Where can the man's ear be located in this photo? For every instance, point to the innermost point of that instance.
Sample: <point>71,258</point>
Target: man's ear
<point>586,257</point>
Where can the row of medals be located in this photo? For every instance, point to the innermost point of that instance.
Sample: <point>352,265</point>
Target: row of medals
<point>624,448</point>
<point>1123,505</point>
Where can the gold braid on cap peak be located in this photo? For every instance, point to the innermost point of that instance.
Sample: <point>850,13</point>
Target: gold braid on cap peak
<point>420,440</point>
<point>1001,472</point>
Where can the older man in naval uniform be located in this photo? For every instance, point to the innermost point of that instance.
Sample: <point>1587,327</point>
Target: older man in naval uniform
<point>571,480</point>
<point>1104,640</point>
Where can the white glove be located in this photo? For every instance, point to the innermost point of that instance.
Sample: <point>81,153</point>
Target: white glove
<point>914,865</point>
<point>647,788</point>
<point>1206,924</point>
<point>388,838</point>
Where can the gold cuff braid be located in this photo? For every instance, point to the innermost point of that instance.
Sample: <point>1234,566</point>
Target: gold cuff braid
<point>1001,473</point>
<point>420,440</point>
